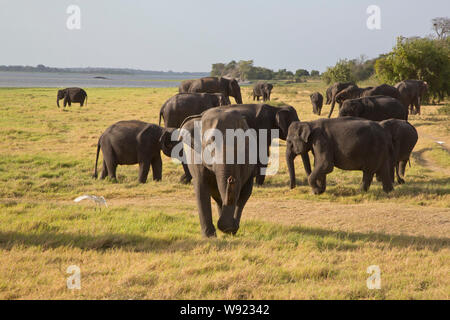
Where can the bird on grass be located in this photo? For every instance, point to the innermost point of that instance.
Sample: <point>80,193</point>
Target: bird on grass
<point>97,200</point>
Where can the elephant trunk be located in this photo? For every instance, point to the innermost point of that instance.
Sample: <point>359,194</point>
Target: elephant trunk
<point>57,101</point>
<point>228,190</point>
<point>290,156</point>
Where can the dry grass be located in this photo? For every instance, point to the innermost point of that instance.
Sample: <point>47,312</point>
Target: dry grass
<point>147,244</point>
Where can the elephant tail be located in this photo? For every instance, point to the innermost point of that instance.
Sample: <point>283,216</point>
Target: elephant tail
<point>96,159</point>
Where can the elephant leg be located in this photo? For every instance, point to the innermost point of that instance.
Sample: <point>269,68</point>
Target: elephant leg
<point>186,177</point>
<point>384,172</point>
<point>204,207</point>
<point>245,194</point>
<point>157,168</point>
<point>317,178</point>
<point>259,178</point>
<point>367,180</point>
<point>112,167</point>
<point>400,168</point>
<point>104,171</point>
<point>144,168</point>
<point>66,100</point>
<point>332,108</point>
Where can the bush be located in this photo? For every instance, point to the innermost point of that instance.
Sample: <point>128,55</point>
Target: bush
<point>341,72</point>
<point>445,110</point>
<point>418,58</point>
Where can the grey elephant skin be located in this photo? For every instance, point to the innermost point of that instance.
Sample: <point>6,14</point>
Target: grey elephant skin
<point>228,87</point>
<point>70,95</point>
<point>131,142</point>
<point>183,105</point>
<point>333,91</point>
<point>377,108</point>
<point>229,184</point>
<point>412,92</point>
<point>264,116</point>
<point>345,143</point>
<point>317,102</point>
<point>262,89</point>
<point>185,86</point>
<point>404,138</point>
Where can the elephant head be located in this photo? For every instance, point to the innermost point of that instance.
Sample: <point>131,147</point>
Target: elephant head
<point>298,142</point>
<point>283,118</point>
<point>168,141</point>
<point>234,90</point>
<point>61,95</point>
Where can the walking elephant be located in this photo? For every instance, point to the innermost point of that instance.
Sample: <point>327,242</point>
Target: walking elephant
<point>404,138</point>
<point>412,92</point>
<point>376,108</point>
<point>228,87</point>
<point>333,91</point>
<point>131,142</point>
<point>229,183</point>
<point>345,143</point>
<point>262,89</point>
<point>70,95</point>
<point>183,105</point>
<point>317,102</point>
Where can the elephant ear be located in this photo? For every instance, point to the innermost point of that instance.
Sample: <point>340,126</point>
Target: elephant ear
<point>304,132</point>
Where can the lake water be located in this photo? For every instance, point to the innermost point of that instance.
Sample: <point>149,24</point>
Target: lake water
<point>85,80</point>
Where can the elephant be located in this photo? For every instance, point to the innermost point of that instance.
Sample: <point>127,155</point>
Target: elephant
<point>412,92</point>
<point>263,89</point>
<point>404,138</point>
<point>185,85</point>
<point>383,90</point>
<point>317,102</point>
<point>70,95</point>
<point>228,87</point>
<point>376,108</point>
<point>351,92</point>
<point>229,183</point>
<point>183,105</point>
<point>346,143</point>
<point>332,92</point>
<point>131,142</point>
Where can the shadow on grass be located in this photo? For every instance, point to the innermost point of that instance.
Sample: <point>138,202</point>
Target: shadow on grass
<point>399,241</point>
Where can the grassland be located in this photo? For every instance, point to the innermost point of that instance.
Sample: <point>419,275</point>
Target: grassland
<point>147,243</point>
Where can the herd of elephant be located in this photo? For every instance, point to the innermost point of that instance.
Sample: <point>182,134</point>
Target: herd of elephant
<point>371,134</point>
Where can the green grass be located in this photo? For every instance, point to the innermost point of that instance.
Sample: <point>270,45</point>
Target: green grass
<point>147,243</point>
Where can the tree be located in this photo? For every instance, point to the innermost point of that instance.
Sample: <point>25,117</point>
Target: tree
<point>315,73</point>
<point>341,72</point>
<point>301,73</point>
<point>441,26</point>
<point>419,58</point>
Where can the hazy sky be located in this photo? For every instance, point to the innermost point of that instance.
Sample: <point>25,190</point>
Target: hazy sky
<point>190,35</point>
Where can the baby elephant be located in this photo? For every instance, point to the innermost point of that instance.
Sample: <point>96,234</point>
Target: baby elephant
<point>131,142</point>
<point>317,102</point>
<point>346,143</point>
<point>70,95</point>
<point>404,138</point>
